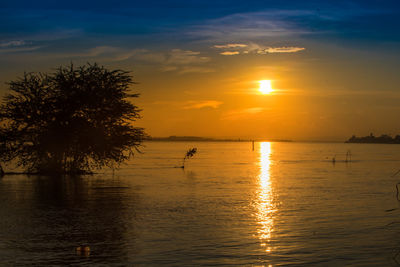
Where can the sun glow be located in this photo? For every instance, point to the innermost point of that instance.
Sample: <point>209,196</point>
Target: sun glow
<point>265,87</point>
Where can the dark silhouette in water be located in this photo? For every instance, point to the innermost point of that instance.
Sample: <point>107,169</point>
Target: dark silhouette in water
<point>383,139</point>
<point>190,153</point>
<point>69,121</point>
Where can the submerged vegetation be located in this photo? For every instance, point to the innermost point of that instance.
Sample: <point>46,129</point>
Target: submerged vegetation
<point>190,153</point>
<point>69,121</point>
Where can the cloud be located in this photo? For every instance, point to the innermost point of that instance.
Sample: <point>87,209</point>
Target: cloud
<point>272,24</point>
<point>194,69</point>
<point>283,49</point>
<point>262,50</point>
<point>229,46</point>
<point>100,50</point>
<point>288,23</point>
<point>202,104</point>
<point>112,53</point>
<point>151,57</point>
<point>236,49</point>
<point>192,104</point>
<point>183,57</point>
<point>143,55</point>
<point>177,60</point>
<point>229,53</point>
<point>277,24</point>
<point>12,44</point>
<point>242,113</point>
<point>19,49</point>
<point>16,46</point>
<point>169,68</point>
<point>185,61</point>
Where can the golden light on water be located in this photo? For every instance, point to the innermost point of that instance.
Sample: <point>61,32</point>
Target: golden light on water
<point>265,206</point>
<point>265,87</point>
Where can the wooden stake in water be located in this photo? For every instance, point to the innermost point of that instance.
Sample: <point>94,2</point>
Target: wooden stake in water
<point>348,156</point>
<point>253,144</point>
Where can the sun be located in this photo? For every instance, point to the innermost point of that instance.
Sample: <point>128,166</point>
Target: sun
<point>265,87</point>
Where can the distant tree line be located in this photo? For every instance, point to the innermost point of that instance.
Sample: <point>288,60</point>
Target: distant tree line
<point>383,139</point>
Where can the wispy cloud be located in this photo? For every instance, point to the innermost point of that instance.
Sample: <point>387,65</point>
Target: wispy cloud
<point>230,53</point>
<point>252,26</point>
<point>19,49</point>
<point>112,53</point>
<point>176,60</point>
<point>169,68</point>
<point>242,113</point>
<point>186,61</point>
<point>194,69</point>
<point>202,104</point>
<point>16,46</point>
<point>256,48</point>
<point>279,24</point>
<point>283,49</point>
<point>100,50</point>
<point>151,57</point>
<point>191,104</point>
<point>225,46</point>
<point>184,57</point>
<point>14,43</point>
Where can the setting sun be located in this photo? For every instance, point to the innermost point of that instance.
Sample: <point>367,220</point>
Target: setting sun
<point>265,87</point>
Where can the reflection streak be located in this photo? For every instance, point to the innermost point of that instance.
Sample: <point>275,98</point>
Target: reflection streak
<point>265,206</point>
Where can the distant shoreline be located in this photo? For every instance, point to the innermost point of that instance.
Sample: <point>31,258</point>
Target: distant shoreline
<point>384,139</point>
<point>207,139</point>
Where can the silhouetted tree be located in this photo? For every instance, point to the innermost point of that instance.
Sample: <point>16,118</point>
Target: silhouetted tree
<point>69,121</point>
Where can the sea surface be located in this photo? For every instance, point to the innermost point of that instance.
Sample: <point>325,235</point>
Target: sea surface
<point>277,205</point>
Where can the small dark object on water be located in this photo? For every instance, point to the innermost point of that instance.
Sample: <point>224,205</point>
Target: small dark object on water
<point>190,153</point>
<point>390,210</point>
<point>83,250</point>
<point>1,171</point>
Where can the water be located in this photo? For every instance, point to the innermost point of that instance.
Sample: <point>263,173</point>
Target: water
<point>282,204</point>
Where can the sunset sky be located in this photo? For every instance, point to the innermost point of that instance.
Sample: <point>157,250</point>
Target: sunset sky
<point>334,66</point>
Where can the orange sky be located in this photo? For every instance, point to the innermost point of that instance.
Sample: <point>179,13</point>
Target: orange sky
<point>315,97</point>
<point>334,69</point>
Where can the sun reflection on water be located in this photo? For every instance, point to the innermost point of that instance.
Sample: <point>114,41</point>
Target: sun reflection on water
<point>265,206</point>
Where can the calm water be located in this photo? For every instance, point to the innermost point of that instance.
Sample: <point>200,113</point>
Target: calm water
<point>281,204</point>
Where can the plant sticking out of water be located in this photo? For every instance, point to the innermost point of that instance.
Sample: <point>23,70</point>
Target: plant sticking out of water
<point>348,156</point>
<point>397,186</point>
<point>395,222</point>
<point>190,153</point>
